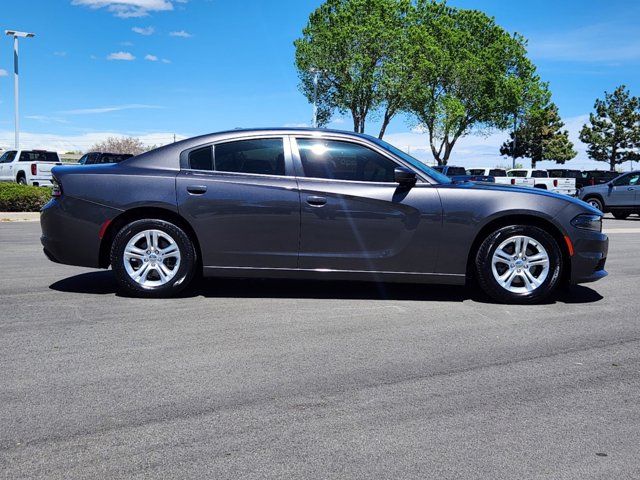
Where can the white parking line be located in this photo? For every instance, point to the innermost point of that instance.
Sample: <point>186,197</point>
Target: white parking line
<point>621,230</point>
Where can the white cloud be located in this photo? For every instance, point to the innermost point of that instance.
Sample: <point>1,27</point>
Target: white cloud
<point>146,31</point>
<point>3,73</point>
<point>484,150</point>
<point>166,60</point>
<point>181,34</point>
<point>121,56</point>
<point>127,8</point>
<point>115,108</point>
<point>151,58</point>
<point>60,54</point>
<point>46,119</point>
<point>83,141</point>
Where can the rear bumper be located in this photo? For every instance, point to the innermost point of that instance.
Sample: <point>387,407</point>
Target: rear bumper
<point>71,231</point>
<point>41,182</point>
<point>588,262</point>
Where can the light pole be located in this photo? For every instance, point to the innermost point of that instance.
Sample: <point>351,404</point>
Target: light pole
<point>16,89</point>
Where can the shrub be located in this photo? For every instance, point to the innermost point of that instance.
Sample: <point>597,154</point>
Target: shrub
<point>22,198</point>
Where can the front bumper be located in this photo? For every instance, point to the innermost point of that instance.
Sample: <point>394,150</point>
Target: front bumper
<point>590,257</point>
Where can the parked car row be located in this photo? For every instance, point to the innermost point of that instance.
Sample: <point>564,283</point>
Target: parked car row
<point>33,167</point>
<point>559,180</point>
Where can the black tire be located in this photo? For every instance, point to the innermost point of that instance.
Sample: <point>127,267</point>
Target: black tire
<point>484,269</point>
<point>621,215</point>
<point>595,202</point>
<point>22,180</point>
<point>185,270</point>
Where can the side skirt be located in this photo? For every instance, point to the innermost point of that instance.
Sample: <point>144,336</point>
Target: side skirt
<point>398,277</point>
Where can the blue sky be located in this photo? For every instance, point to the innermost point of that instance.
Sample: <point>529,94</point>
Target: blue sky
<point>152,68</point>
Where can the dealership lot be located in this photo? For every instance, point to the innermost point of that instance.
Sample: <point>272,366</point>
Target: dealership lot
<point>280,379</point>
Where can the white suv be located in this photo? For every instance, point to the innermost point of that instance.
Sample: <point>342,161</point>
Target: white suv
<point>29,167</point>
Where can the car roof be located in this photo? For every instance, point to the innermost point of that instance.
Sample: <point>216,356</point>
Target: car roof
<point>165,157</point>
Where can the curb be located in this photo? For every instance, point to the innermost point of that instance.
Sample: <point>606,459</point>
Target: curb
<point>19,216</point>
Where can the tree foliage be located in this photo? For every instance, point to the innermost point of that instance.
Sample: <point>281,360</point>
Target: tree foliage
<point>470,74</point>
<point>355,44</point>
<point>130,145</point>
<point>540,135</point>
<point>613,132</point>
<point>452,70</point>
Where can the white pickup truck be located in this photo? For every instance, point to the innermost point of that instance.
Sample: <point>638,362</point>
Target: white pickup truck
<point>501,176</point>
<point>541,179</point>
<point>29,167</point>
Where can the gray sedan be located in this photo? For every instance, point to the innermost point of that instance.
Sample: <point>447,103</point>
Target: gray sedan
<point>320,204</point>
<point>620,196</point>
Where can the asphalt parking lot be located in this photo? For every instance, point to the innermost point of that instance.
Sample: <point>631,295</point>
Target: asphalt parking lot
<point>276,379</point>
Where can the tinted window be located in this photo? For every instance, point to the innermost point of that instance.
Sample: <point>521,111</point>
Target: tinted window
<point>631,179</point>
<point>83,159</point>
<point>476,171</point>
<point>517,173</point>
<point>456,171</point>
<point>201,159</point>
<point>263,156</point>
<point>8,157</point>
<point>497,172</point>
<point>344,161</point>
<point>37,156</point>
<point>417,164</point>
<point>114,157</point>
<point>539,174</point>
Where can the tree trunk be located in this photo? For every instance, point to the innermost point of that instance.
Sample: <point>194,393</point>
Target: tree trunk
<point>533,163</point>
<point>612,159</point>
<point>388,115</point>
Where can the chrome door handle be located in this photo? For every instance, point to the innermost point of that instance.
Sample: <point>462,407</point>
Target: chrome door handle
<point>316,201</point>
<point>197,189</point>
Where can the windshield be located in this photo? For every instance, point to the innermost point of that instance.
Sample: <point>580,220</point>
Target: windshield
<point>437,176</point>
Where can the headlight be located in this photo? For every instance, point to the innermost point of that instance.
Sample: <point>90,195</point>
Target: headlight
<point>588,221</point>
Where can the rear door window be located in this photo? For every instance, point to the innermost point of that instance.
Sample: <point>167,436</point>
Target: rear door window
<point>261,156</point>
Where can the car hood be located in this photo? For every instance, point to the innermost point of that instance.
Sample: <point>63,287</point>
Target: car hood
<point>524,191</point>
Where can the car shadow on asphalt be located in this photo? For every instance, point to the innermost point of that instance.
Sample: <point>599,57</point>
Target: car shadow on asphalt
<point>103,283</point>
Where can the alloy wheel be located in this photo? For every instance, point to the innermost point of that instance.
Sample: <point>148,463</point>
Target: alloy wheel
<point>152,258</point>
<point>520,264</point>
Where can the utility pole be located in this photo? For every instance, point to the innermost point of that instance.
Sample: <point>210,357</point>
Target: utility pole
<point>316,79</point>
<point>16,86</point>
<point>515,135</point>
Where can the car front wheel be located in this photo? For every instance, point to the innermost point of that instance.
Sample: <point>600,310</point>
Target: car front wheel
<point>153,258</point>
<point>519,264</point>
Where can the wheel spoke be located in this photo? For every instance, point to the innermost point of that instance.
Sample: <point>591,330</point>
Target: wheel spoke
<point>147,237</point>
<point>525,244</point>
<point>163,276</point>
<point>530,281</point>
<point>154,239</point>
<point>140,275</point>
<point>170,251</point>
<point>502,256</point>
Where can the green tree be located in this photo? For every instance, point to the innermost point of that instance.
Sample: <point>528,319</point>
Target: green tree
<point>354,44</point>
<point>613,132</point>
<point>540,136</point>
<point>469,74</point>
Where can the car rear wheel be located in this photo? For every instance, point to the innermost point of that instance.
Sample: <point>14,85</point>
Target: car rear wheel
<point>519,264</point>
<point>153,258</point>
<point>22,180</point>
<point>596,203</point>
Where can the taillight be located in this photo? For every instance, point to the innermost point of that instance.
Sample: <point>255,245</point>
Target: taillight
<point>56,190</point>
<point>34,169</point>
<point>555,183</point>
<point>513,181</point>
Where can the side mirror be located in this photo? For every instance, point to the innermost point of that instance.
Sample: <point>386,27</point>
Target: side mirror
<point>405,177</point>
